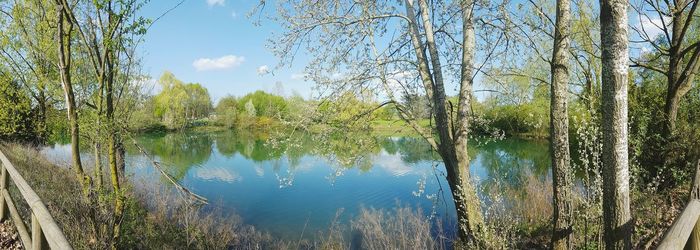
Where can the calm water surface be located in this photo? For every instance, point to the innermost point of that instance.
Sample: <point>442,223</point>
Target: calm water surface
<point>285,186</point>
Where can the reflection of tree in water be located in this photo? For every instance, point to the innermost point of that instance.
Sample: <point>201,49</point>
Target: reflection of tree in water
<point>510,161</point>
<point>506,161</point>
<point>227,143</point>
<point>261,149</point>
<point>179,152</point>
<point>412,149</point>
<point>341,150</point>
<point>254,146</point>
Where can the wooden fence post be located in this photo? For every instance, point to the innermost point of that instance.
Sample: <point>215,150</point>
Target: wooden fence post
<point>3,186</point>
<point>694,239</point>
<point>38,239</point>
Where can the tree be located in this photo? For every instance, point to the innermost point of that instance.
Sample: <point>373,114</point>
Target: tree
<point>250,108</point>
<point>64,34</point>
<point>368,45</point>
<point>29,48</point>
<point>104,29</point>
<point>676,53</point>
<point>178,102</point>
<point>15,116</point>
<point>198,101</point>
<point>266,104</point>
<point>226,111</point>
<point>417,105</point>
<point>559,130</point>
<point>616,201</point>
<point>586,52</point>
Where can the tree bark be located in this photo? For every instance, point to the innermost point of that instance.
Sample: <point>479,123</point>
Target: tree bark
<point>98,165</point>
<point>471,217</point>
<point>453,140</point>
<point>559,130</point>
<point>616,203</point>
<point>64,53</point>
<point>112,139</point>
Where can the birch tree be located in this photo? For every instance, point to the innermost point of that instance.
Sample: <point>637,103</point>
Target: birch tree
<point>617,228</point>
<point>399,49</point>
<point>559,129</point>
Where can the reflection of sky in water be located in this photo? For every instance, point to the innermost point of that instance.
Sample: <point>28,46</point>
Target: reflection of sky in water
<point>217,174</point>
<point>394,165</point>
<point>283,194</point>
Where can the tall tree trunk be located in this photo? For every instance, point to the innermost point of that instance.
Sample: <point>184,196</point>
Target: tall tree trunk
<point>121,160</point>
<point>99,181</point>
<point>64,53</point>
<point>112,141</point>
<point>559,130</point>
<point>681,70</point>
<point>673,74</point>
<point>616,202</point>
<point>98,165</point>
<point>471,217</point>
<point>452,151</point>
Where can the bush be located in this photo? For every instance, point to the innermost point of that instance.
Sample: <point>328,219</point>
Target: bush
<point>525,119</point>
<point>15,115</point>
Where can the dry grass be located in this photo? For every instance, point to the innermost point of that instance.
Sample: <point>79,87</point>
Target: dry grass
<point>61,193</point>
<point>519,217</point>
<point>402,228</point>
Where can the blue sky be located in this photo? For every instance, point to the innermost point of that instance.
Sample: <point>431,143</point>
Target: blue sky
<point>212,42</point>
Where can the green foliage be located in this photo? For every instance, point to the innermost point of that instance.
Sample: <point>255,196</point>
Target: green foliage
<point>530,117</point>
<point>178,103</point>
<point>265,104</point>
<point>15,114</point>
<point>227,111</point>
<point>386,113</point>
<point>646,100</point>
<point>348,111</point>
<point>143,118</point>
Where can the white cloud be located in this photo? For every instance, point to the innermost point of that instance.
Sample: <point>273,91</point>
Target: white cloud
<point>234,14</point>
<point>224,62</point>
<point>215,2</point>
<point>264,69</point>
<point>652,26</point>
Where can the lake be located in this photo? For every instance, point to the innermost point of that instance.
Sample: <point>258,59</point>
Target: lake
<point>300,182</point>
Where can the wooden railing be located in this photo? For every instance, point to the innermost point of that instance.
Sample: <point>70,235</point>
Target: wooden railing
<point>45,233</point>
<point>685,231</point>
